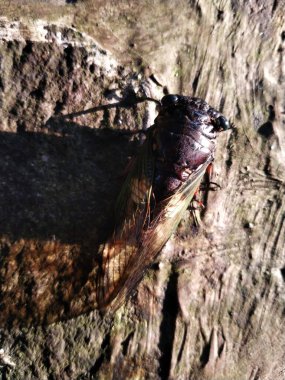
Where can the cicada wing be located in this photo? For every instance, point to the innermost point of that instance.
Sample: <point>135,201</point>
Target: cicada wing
<point>168,215</point>
<point>132,215</point>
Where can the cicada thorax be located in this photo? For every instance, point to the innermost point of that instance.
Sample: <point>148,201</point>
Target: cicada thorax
<point>183,141</point>
<point>163,179</point>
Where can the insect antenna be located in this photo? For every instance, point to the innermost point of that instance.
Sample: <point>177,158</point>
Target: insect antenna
<point>126,102</point>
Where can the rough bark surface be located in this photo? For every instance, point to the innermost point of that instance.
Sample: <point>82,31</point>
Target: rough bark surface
<point>212,306</point>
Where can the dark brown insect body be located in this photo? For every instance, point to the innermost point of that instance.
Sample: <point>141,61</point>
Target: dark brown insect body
<point>163,179</point>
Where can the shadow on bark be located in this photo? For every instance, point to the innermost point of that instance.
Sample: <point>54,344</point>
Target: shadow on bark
<point>58,190</point>
<point>167,327</point>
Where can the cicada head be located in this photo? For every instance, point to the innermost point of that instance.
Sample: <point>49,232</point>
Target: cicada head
<point>169,100</point>
<point>221,124</point>
<point>194,112</point>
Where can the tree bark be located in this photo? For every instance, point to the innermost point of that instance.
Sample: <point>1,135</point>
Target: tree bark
<point>212,305</point>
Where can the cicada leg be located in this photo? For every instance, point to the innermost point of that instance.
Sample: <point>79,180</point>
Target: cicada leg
<point>200,196</point>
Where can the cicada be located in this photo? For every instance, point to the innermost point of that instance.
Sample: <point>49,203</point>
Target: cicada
<point>158,189</point>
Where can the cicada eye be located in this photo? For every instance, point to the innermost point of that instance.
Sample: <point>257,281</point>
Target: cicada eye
<point>169,100</point>
<point>222,124</point>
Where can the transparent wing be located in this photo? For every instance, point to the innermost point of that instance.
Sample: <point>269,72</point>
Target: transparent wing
<point>142,229</point>
<point>169,214</point>
<point>133,209</point>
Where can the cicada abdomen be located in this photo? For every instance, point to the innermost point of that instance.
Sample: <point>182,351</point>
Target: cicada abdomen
<point>163,179</point>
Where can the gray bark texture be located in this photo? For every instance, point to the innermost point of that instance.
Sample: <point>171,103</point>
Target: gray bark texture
<point>212,306</point>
